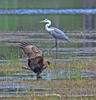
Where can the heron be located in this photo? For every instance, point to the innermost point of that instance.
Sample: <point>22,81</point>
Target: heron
<point>36,61</point>
<point>55,32</point>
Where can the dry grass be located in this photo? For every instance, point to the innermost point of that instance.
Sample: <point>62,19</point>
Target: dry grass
<point>68,84</point>
<point>75,65</point>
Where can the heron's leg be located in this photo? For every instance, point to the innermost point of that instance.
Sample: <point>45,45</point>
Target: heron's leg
<point>56,48</point>
<point>55,44</point>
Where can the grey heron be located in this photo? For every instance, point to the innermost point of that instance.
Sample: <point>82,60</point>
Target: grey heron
<point>36,61</point>
<point>55,32</point>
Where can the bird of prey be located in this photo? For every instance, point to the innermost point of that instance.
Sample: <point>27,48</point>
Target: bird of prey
<point>36,61</point>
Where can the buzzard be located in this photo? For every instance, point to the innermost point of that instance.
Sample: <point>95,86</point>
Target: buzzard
<point>36,61</point>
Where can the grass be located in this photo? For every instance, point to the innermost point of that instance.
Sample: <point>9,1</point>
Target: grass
<point>13,4</point>
<point>49,98</point>
<point>31,22</point>
<point>15,67</point>
<point>75,65</point>
<point>13,52</point>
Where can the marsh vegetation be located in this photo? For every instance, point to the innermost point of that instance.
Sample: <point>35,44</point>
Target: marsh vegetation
<point>71,77</point>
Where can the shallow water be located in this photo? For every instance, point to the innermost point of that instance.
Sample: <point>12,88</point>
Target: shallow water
<point>10,85</point>
<point>23,83</point>
<point>83,46</point>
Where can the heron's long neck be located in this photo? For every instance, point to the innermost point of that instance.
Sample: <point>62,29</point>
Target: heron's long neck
<point>47,26</point>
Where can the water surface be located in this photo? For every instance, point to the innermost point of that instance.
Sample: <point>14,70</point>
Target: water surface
<point>22,83</point>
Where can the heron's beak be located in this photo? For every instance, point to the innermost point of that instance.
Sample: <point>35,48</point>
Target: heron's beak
<point>41,21</point>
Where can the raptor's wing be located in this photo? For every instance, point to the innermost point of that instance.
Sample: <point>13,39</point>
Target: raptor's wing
<point>30,50</point>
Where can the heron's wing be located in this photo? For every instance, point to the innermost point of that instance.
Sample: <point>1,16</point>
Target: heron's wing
<point>30,50</point>
<point>57,33</point>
